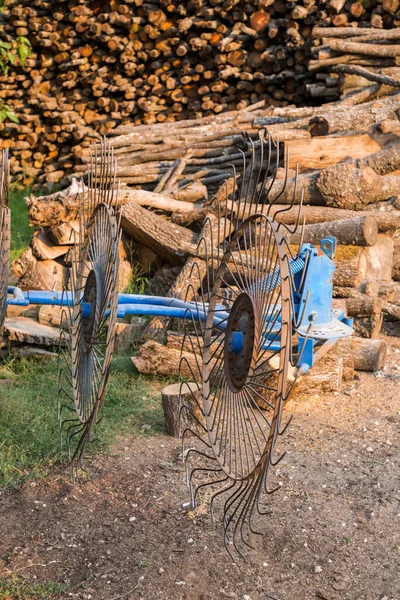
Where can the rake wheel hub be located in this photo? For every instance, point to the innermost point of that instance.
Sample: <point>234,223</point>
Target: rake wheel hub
<point>239,342</point>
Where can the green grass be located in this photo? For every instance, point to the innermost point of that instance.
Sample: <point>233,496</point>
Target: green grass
<point>19,589</point>
<point>29,434</point>
<point>21,232</point>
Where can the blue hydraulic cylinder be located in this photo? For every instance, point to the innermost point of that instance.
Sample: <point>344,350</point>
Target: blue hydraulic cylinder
<point>317,289</point>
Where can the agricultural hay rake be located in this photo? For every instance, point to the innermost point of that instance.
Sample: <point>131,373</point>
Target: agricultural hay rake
<point>261,317</point>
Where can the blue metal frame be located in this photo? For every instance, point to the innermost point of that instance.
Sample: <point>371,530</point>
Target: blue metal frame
<point>317,324</point>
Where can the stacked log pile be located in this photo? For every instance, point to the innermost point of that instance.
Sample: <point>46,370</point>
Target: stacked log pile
<point>356,64</point>
<point>349,176</point>
<point>98,66</point>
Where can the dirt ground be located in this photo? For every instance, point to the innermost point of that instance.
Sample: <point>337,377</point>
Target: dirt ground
<point>333,532</point>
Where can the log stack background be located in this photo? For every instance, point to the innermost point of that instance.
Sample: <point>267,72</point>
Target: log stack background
<point>175,88</point>
<point>99,66</point>
<point>351,184</point>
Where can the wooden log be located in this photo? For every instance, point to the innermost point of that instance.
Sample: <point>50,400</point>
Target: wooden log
<point>355,264</point>
<point>346,186</point>
<point>357,231</point>
<point>27,331</point>
<point>379,258</point>
<point>38,274</point>
<point>326,376</point>
<point>44,248</point>
<point>387,290</point>
<point>50,315</point>
<point>155,359</point>
<point>387,221</point>
<point>342,348</point>
<point>357,70</point>
<point>350,269</point>
<point>365,48</point>
<point>168,240</point>
<point>368,327</point>
<point>173,397</point>
<point>368,288</point>
<point>384,161</point>
<point>322,152</point>
<point>368,355</point>
<point>188,283</point>
<point>362,305</point>
<point>64,233</point>
<point>391,311</point>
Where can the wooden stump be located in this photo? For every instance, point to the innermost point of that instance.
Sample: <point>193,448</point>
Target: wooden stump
<point>175,396</point>
<point>325,376</point>
<point>368,355</point>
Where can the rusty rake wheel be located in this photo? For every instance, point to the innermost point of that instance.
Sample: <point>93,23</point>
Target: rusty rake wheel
<point>4,236</point>
<point>243,349</point>
<point>89,323</point>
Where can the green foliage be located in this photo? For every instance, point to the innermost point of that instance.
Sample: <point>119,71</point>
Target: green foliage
<point>11,52</point>
<point>138,281</point>
<point>29,431</point>
<point>19,589</point>
<point>7,113</point>
<point>21,232</point>
<point>23,48</point>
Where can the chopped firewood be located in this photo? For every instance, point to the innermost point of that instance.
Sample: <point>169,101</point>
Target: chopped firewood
<point>44,248</point>
<point>156,359</point>
<point>33,274</point>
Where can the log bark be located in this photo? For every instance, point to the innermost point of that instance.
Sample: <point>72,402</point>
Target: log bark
<point>368,327</point>
<point>391,311</point>
<point>387,221</point>
<point>357,231</point>
<point>346,186</point>
<point>368,288</point>
<point>365,49</point>
<point>362,306</point>
<point>173,397</point>
<point>384,161</point>
<point>56,210</point>
<point>168,240</point>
